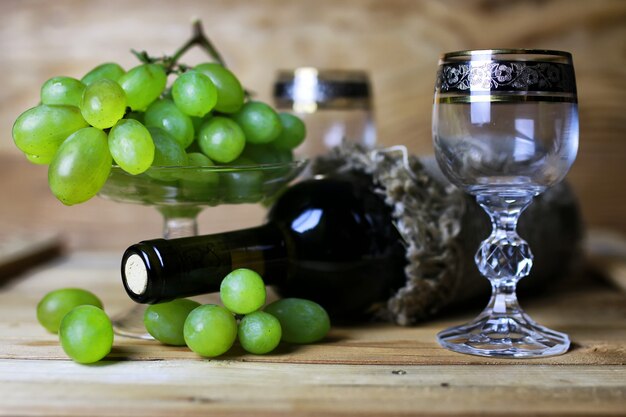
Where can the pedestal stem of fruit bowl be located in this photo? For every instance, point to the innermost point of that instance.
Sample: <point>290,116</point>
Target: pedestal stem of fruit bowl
<point>179,222</point>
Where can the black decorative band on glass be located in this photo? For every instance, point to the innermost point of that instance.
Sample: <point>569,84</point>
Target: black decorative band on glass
<point>325,90</point>
<point>534,76</point>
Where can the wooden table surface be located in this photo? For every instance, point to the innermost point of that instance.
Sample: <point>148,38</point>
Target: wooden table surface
<point>373,370</point>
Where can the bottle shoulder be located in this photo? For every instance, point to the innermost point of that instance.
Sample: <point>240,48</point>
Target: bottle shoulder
<point>339,215</point>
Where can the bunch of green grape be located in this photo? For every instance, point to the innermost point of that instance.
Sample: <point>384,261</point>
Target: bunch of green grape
<point>135,120</point>
<point>86,333</point>
<point>211,330</point>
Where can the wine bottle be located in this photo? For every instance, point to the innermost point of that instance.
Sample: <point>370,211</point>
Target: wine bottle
<point>330,240</point>
<point>335,241</point>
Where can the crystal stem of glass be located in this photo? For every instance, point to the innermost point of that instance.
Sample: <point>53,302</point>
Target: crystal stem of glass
<point>503,328</point>
<point>177,222</point>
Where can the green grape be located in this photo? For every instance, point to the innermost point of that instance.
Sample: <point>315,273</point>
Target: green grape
<point>259,122</point>
<point>243,184</point>
<point>103,103</point>
<point>86,334</point>
<point>196,159</point>
<point>197,182</point>
<point>164,114</point>
<point>165,321</point>
<point>56,304</point>
<point>62,90</point>
<point>41,130</point>
<point>259,332</point>
<point>293,132</point>
<point>261,154</point>
<point>265,154</point>
<point>285,156</point>
<point>194,147</point>
<point>131,146</point>
<point>135,115</point>
<point>110,71</point>
<point>221,139</point>
<point>302,321</point>
<point>242,291</point>
<point>199,121</point>
<point>230,94</point>
<point>80,167</point>
<point>167,152</point>
<point>194,94</point>
<point>210,330</point>
<point>39,160</point>
<point>143,84</point>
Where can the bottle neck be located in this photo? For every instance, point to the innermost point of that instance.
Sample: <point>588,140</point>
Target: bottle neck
<point>156,270</point>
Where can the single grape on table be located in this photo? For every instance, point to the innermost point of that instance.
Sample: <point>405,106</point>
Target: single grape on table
<point>302,321</point>
<point>259,332</point>
<point>56,304</point>
<point>210,330</point>
<point>205,110</point>
<point>86,334</point>
<point>243,291</point>
<point>165,321</point>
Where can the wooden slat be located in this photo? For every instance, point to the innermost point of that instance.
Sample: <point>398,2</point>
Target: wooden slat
<point>372,370</point>
<point>216,388</point>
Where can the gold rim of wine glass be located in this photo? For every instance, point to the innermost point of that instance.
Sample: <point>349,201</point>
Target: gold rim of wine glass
<point>507,51</point>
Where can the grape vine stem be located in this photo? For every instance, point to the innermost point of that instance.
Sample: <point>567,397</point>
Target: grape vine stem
<point>198,38</point>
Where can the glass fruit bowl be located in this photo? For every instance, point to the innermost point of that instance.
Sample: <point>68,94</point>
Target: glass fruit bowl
<point>181,193</point>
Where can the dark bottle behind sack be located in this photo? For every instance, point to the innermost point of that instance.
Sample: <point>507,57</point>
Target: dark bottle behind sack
<point>334,240</point>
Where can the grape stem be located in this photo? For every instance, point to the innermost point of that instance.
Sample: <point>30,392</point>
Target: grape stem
<point>198,38</point>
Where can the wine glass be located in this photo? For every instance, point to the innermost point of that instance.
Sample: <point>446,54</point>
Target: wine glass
<point>336,106</point>
<point>505,128</point>
<point>181,193</point>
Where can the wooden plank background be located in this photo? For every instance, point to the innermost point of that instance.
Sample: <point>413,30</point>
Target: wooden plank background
<point>397,41</point>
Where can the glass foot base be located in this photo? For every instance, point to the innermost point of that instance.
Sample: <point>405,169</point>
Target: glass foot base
<point>515,336</point>
<point>130,323</point>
